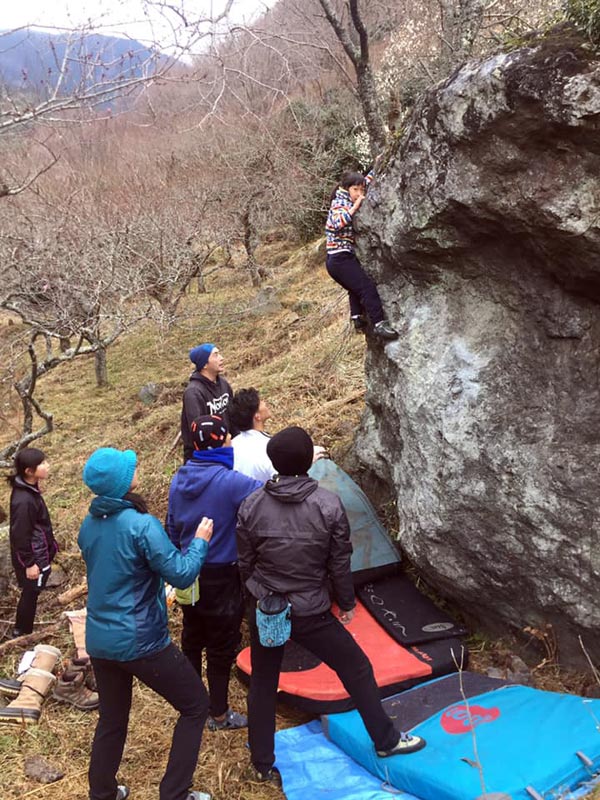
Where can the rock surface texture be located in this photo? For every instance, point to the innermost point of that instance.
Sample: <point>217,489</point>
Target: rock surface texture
<point>483,419</point>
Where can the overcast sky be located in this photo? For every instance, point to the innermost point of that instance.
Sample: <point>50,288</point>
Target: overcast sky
<point>127,17</point>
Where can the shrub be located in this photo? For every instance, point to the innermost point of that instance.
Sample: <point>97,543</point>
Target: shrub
<point>585,15</point>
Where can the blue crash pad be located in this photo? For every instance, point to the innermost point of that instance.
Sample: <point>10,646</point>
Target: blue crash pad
<point>313,767</point>
<point>521,737</point>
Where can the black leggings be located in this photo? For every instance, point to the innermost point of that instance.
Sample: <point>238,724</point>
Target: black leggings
<point>345,269</point>
<point>169,674</point>
<point>213,624</point>
<point>27,605</point>
<point>327,638</point>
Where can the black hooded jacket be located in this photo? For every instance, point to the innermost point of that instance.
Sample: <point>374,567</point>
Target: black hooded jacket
<point>31,538</point>
<point>294,538</point>
<point>203,396</point>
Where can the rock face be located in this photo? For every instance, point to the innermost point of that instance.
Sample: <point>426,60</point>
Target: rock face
<point>483,419</point>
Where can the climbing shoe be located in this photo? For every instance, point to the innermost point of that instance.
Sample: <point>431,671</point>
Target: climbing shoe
<point>360,324</point>
<point>232,721</point>
<point>71,688</point>
<point>384,330</point>
<point>268,776</point>
<point>407,743</point>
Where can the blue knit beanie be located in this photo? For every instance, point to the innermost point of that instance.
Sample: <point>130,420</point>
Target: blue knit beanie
<point>199,355</point>
<point>109,472</point>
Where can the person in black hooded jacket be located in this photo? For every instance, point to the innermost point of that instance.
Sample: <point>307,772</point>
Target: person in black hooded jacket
<point>32,542</point>
<point>294,540</point>
<point>207,393</point>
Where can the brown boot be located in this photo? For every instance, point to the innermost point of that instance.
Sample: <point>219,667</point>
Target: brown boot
<point>46,657</point>
<point>83,665</point>
<point>71,688</point>
<point>27,707</point>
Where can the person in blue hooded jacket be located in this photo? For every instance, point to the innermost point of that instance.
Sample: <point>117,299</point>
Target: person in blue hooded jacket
<point>208,484</point>
<point>128,556</point>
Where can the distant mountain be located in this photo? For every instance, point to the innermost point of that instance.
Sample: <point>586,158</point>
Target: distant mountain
<point>32,61</point>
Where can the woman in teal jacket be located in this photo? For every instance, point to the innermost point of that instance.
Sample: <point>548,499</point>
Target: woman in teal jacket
<point>128,556</point>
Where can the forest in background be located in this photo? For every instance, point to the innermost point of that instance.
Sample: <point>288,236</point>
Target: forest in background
<point>116,195</point>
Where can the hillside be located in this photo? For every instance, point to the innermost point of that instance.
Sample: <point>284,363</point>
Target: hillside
<point>307,363</point>
<point>304,360</point>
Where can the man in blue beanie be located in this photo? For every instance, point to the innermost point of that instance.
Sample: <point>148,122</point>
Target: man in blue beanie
<point>212,613</point>
<point>207,392</point>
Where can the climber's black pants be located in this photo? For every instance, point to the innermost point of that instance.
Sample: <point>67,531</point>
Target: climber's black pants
<point>345,269</point>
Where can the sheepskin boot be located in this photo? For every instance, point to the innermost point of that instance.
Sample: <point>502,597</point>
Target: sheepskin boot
<point>27,706</point>
<point>46,657</point>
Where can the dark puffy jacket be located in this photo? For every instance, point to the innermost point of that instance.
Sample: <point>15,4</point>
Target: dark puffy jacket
<point>203,396</point>
<point>127,555</point>
<point>31,538</point>
<point>294,538</point>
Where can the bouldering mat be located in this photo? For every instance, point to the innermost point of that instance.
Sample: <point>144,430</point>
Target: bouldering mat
<point>318,690</point>
<point>313,767</point>
<point>510,743</point>
<point>408,615</point>
<point>373,552</point>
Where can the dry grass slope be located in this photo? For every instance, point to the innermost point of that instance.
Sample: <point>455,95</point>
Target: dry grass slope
<point>309,365</point>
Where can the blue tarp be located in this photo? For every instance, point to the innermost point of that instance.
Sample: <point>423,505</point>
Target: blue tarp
<point>313,768</point>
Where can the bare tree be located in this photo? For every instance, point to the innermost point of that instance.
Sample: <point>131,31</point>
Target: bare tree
<point>360,56</point>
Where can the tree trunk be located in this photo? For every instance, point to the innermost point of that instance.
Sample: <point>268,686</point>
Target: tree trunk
<point>101,367</point>
<point>250,245</point>
<point>369,101</point>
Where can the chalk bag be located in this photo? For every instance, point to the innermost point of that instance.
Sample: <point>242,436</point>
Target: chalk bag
<point>274,620</point>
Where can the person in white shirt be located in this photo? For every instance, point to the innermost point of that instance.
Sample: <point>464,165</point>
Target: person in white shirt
<point>250,445</point>
<point>249,413</point>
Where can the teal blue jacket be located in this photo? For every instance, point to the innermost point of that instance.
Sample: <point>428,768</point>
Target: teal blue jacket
<point>128,556</point>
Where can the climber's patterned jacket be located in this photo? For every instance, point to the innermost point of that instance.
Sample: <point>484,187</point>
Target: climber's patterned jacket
<point>339,229</point>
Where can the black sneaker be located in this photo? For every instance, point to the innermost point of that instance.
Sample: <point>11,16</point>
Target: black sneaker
<point>10,687</point>
<point>360,324</point>
<point>269,776</point>
<point>384,330</point>
<point>122,792</point>
<point>407,743</point>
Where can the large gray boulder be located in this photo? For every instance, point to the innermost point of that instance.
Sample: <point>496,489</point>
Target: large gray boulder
<point>483,419</point>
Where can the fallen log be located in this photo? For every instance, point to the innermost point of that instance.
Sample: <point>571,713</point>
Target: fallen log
<point>72,594</point>
<point>32,638</point>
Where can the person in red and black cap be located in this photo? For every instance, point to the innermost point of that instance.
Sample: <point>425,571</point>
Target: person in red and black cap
<point>212,617</point>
